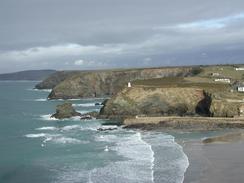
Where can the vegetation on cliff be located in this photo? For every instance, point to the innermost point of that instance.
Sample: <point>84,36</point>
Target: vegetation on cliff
<point>107,83</point>
<point>54,79</point>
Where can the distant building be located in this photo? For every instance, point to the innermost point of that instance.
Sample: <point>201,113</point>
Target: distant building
<point>215,74</point>
<point>240,69</point>
<point>240,88</point>
<point>224,80</point>
<point>129,85</point>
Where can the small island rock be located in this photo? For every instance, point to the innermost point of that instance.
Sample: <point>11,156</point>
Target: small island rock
<point>65,110</point>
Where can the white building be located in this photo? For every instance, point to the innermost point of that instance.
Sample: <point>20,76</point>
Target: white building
<point>129,85</point>
<point>215,74</point>
<point>240,88</point>
<point>222,80</point>
<point>240,69</point>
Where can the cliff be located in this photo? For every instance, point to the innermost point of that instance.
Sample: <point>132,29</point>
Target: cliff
<point>168,101</point>
<point>107,83</point>
<point>156,102</point>
<point>54,79</point>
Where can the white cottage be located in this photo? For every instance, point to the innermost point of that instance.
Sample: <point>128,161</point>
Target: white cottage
<point>224,80</point>
<point>129,85</point>
<point>240,88</point>
<point>240,69</point>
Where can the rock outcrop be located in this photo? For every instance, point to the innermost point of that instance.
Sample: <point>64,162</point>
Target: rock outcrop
<point>65,110</point>
<point>155,102</point>
<point>54,79</point>
<point>103,83</point>
<point>163,101</point>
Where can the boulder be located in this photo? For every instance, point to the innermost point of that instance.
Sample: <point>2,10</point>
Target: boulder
<point>65,110</point>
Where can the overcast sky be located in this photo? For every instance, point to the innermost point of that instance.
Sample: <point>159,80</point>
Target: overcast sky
<point>98,34</point>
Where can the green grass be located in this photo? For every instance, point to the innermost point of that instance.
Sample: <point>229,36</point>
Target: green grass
<point>182,82</point>
<point>224,71</point>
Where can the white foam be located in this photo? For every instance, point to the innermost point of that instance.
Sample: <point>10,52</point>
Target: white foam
<point>71,127</point>
<point>138,164</point>
<point>83,112</point>
<point>47,128</point>
<point>47,117</point>
<point>151,155</point>
<point>40,90</point>
<point>67,140</point>
<point>173,164</point>
<point>41,100</point>
<point>169,161</point>
<point>56,138</point>
<point>37,135</point>
<point>84,105</point>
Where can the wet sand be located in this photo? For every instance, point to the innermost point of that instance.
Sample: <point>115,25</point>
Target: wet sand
<point>215,163</point>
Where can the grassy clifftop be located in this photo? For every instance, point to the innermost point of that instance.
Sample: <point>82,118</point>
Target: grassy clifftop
<point>107,83</point>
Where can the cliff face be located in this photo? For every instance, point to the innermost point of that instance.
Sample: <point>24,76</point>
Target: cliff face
<point>157,102</point>
<point>166,102</point>
<point>54,79</point>
<point>106,83</point>
<point>221,108</point>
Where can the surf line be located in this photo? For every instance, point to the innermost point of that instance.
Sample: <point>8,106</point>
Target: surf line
<point>152,155</point>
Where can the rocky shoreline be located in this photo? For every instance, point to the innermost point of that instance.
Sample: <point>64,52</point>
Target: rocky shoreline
<point>183,123</point>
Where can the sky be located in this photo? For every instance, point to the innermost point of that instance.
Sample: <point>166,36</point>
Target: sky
<point>101,34</point>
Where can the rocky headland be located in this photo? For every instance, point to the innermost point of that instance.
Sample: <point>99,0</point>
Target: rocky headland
<point>183,93</point>
<point>81,84</point>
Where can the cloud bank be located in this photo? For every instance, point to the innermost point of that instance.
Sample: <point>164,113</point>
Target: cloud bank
<point>122,34</point>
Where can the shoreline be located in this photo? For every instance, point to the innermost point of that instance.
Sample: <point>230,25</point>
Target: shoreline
<point>183,123</point>
<point>218,163</point>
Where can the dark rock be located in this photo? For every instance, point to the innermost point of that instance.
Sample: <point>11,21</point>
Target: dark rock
<point>97,104</point>
<point>107,129</point>
<point>65,110</point>
<point>86,117</point>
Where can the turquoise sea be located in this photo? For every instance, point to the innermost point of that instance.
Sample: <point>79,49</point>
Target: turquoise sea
<point>37,149</point>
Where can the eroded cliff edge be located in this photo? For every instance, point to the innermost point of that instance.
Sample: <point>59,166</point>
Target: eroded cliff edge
<point>169,101</point>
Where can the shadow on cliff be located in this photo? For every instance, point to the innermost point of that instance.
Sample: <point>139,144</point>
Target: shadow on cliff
<point>203,106</point>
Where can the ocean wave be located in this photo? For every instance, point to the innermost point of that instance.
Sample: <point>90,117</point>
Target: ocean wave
<point>84,111</point>
<point>47,117</point>
<point>56,138</point>
<point>35,135</point>
<point>83,127</point>
<point>68,140</point>
<point>84,105</point>
<point>71,127</point>
<point>41,100</point>
<point>137,167</point>
<point>39,90</point>
<point>174,163</point>
<point>47,128</point>
<point>151,158</point>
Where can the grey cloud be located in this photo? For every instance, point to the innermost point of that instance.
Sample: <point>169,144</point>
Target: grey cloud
<point>38,34</point>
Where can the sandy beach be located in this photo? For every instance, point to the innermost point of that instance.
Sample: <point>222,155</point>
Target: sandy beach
<point>215,163</point>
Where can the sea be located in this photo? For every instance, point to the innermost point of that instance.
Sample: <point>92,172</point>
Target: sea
<point>35,148</point>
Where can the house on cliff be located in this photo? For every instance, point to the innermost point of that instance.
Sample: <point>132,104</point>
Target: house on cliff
<point>224,80</point>
<point>240,88</point>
